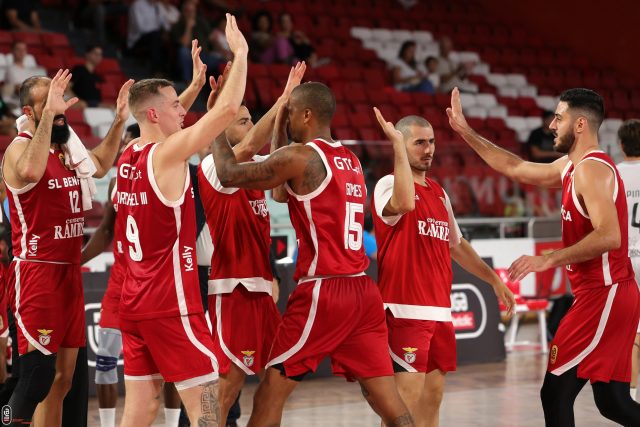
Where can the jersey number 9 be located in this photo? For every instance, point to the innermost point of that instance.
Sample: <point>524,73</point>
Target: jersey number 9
<point>135,250</point>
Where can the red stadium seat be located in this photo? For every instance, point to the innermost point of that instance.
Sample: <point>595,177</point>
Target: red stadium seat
<point>31,39</point>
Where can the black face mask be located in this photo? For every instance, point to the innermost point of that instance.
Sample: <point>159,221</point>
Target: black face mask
<point>60,133</point>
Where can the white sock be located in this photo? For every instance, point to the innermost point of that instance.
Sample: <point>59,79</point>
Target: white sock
<point>171,417</point>
<point>633,392</point>
<point>107,417</point>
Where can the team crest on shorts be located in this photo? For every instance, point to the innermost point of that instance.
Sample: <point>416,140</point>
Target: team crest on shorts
<point>248,358</point>
<point>44,337</point>
<point>553,354</point>
<point>409,355</point>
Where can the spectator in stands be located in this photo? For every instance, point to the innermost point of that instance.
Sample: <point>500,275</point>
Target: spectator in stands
<point>191,26</point>
<point>21,15</point>
<point>21,67</point>
<point>451,73</point>
<point>94,15</point>
<point>219,39</point>
<point>540,142</point>
<point>431,65</point>
<point>145,33</point>
<point>84,82</point>
<point>170,14</point>
<point>369,238</point>
<point>264,46</point>
<point>407,74</point>
<point>7,120</point>
<point>302,48</point>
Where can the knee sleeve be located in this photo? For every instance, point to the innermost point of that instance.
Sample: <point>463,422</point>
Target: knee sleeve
<point>37,372</point>
<point>109,348</point>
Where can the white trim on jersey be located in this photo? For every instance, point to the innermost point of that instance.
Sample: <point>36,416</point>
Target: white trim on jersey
<point>334,144</point>
<point>315,296</point>
<point>209,169</point>
<point>596,338</point>
<point>322,185</point>
<point>195,382</point>
<point>252,284</point>
<point>23,225</point>
<point>314,239</point>
<point>19,321</point>
<point>576,202</point>
<point>182,304</point>
<point>606,270</point>
<point>223,345</point>
<point>382,193</point>
<point>154,184</point>
<point>401,362</point>
<point>143,377</point>
<point>566,169</point>
<point>5,334</point>
<point>420,312</point>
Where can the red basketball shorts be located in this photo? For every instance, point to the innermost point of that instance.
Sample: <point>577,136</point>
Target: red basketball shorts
<point>244,324</point>
<point>597,334</point>
<point>178,349</point>
<point>421,345</point>
<point>339,317</point>
<point>48,303</point>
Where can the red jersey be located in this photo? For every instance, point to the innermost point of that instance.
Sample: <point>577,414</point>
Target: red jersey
<point>238,221</point>
<point>159,251</point>
<point>47,221</point>
<point>330,220</point>
<point>613,266</point>
<point>414,260</point>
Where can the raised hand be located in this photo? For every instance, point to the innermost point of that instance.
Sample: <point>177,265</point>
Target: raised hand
<point>295,77</point>
<point>282,118</point>
<point>457,120</point>
<point>235,39</point>
<point>199,68</point>
<point>394,135</point>
<point>122,103</point>
<point>55,98</point>
<point>216,87</point>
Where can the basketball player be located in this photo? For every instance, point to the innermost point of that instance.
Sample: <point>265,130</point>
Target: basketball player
<point>161,301</point>
<point>412,211</point>
<point>47,228</point>
<point>335,310</point>
<point>594,339</point>
<point>243,313</point>
<point>109,336</point>
<point>629,137</point>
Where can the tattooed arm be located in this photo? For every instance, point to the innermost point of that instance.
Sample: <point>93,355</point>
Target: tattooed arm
<point>299,164</point>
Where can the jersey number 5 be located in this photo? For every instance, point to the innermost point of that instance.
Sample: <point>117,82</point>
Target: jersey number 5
<point>135,250</point>
<point>353,228</point>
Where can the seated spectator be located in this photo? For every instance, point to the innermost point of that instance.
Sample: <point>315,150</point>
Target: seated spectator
<point>170,14</point>
<point>302,48</point>
<point>451,73</point>
<point>84,80</point>
<point>21,15</point>
<point>218,40</point>
<point>264,47</point>
<point>407,74</point>
<point>193,26</point>
<point>145,33</point>
<point>20,68</point>
<point>541,141</point>
<point>431,65</point>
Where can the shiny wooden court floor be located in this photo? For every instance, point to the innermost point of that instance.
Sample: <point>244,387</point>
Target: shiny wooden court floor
<point>495,394</point>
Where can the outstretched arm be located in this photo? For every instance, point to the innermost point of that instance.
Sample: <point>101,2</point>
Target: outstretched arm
<point>503,161</point>
<point>468,258</point>
<point>594,184</point>
<point>404,193</point>
<point>284,164</point>
<point>26,161</point>
<point>105,154</point>
<point>183,144</point>
<point>280,139</point>
<point>190,94</point>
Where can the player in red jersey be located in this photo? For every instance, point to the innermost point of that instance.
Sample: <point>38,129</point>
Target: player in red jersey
<point>335,310</point>
<point>161,301</point>
<point>594,339</point>
<point>411,210</point>
<point>47,230</point>
<point>243,313</point>
<point>109,336</point>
